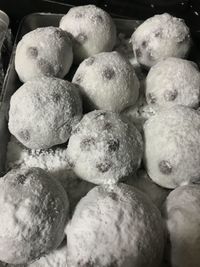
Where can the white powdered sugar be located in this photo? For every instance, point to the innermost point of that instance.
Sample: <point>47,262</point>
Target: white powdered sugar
<point>44,111</point>
<point>159,37</point>
<point>34,211</point>
<point>105,147</point>
<point>107,81</point>
<point>115,225</point>
<point>44,51</point>
<point>57,258</point>
<point>142,181</point>
<point>55,162</point>
<point>182,216</point>
<point>173,81</point>
<point>92,28</point>
<point>172,146</point>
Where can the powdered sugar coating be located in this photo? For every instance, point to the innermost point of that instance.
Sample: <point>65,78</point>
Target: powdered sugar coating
<point>33,212</point>
<point>181,212</point>
<point>105,147</point>
<point>173,81</point>
<point>57,258</point>
<point>92,28</point>
<point>115,226</point>
<point>44,111</point>
<point>172,139</point>
<point>55,162</point>
<point>143,182</point>
<point>44,51</point>
<point>159,37</point>
<point>107,81</point>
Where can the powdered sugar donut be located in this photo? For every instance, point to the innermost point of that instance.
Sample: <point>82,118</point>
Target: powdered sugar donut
<point>159,37</point>
<point>57,258</point>
<point>33,215</point>
<point>43,52</point>
<point>182,215</point>
<point>173,81</point>
<point>115,225</point>
<point>107,81</point>
<point>172,145</point>
<point>92,28</point>
<point>44,111</point>
<point>104,147</point>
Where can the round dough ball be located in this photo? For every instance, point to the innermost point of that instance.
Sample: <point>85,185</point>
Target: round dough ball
<point>182,215</point>
<point>173,81</point>
<point>33,215</point>
<point>57,258</point>
<point>107,81</point>
<point>159,37</point>
<point>55,162</point>
<point>92,28</point>
<point>143,182</point>
<point>104,147</point>
<point>115,225</point>
<point>43,52</point>
<point>172,145</point>
<point>44,111</point>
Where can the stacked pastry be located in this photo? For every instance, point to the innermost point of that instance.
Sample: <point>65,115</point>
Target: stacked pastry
<point>90,170</point>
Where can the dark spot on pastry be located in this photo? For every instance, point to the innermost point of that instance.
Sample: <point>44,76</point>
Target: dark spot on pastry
<point>97,18</point>
<point>78,78</point>
<point>165,167</point>
<point>60,34</point>
<point>87,264</point>
<point>170,95</point>
<point>24,135</point>
<point>32,52</point>
<point>113,145</point>
<point>138,52</point>
<point>113,195</point>
<point>70,163</point>
<point>104,166</point>
<point>151,98</point>
<point>21,179</point>
<point>150,57</point>
<point>79,15</point>
<point>144,44</point>
<point>45,67</point>
<point>107,126</point>
<point>87,143</point>
<point>112,264</point>
<point>158,33</point>
<point>108,73</point>
<point>89,61</point>
<point>81,38</point>
<point>56,97</point>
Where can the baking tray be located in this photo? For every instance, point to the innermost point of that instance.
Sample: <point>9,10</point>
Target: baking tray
<point>12,82</point>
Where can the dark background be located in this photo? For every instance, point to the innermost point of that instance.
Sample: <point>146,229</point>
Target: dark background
<point>137,9</point>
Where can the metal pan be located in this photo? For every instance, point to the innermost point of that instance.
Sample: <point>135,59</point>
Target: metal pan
<point>12,82</point>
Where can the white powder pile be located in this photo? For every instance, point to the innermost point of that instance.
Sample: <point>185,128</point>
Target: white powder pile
<point>54,161</point>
